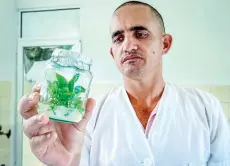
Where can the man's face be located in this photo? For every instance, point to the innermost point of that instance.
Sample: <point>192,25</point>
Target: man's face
<point>137,41</point>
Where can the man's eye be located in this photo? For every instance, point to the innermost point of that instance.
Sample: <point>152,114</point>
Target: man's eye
<point>118,40</point>
<point>141,35</point>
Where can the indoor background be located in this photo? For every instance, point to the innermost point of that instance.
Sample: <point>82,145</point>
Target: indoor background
<point>200,54</point>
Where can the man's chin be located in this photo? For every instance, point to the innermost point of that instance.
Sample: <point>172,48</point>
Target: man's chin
<point>132,72</point>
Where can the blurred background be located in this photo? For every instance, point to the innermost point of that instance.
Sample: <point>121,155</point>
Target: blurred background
<point>30,30</point>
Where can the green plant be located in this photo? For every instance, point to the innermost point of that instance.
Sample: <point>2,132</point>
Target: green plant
<point>63,93</point>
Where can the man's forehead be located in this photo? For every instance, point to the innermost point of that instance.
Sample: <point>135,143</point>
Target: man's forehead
<point>130,16</point>
<point>132,8</point>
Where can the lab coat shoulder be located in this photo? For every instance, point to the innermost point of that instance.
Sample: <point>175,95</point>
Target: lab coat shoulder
<point>197,102</point>
<point>201,98</point>
<point>215,118</point>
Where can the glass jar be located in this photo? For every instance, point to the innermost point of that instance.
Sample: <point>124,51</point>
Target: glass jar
<point>66,86</point>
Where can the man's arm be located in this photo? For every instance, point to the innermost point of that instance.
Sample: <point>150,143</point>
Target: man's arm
<point>220,135</point>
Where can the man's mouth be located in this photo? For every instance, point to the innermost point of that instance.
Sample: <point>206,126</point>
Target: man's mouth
<point>131,57</point>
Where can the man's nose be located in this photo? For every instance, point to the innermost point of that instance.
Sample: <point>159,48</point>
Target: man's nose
<point>129,44</point>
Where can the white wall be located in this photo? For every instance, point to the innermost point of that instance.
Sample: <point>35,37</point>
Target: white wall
<point>8,32</point>
<point>46,3</point>
<point>200,52</point>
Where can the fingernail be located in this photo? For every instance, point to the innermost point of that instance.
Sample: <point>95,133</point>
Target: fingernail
<point>40,117</point>
<point>32,96</point>
<point>38,85</point>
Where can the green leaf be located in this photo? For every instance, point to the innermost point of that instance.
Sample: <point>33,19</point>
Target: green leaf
<point>52,88</point>
<point>62,82</point>
<point>52,101</point>
<point>63,93</point>
<point>63,90</point>
<point>79,89</point>
<point>65,96</point>
<point>75,102</point>
<point>72,81</point>
<point>51,108</point>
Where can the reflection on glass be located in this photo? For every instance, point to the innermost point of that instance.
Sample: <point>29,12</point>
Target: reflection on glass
<point>35,59</point>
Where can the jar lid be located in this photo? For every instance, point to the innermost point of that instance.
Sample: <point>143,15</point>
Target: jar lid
<point>69,58</point>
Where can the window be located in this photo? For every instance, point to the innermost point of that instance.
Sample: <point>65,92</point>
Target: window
<point>50,23</point>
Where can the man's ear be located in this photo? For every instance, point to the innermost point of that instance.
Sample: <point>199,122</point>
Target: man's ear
<point>167,43</point>
<point>111,52</point>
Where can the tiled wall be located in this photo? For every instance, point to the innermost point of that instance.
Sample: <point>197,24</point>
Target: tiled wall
<point>5,93</point>
<point>221,92</point>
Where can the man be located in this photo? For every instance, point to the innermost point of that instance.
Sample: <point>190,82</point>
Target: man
<point>143,122</point>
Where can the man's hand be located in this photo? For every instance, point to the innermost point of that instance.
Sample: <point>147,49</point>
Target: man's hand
<point>53,143</point>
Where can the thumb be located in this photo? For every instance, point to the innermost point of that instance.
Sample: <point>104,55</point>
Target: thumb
<point>90,104</point>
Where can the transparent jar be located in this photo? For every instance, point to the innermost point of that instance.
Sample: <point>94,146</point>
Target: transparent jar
<point>66,86</point>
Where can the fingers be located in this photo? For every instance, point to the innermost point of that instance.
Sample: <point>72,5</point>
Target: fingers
<point>37,125</point>
<point>28,103</point>
<point>90,104</point>
<point>37,87</point>
<point>40,143</point>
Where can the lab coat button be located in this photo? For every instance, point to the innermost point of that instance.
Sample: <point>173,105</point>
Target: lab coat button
<point>147,162</point>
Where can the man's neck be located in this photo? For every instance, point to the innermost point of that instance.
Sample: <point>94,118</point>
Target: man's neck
<point>144,96</point>
<point>146,91</point>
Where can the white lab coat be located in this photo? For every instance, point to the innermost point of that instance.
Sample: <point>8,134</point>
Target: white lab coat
<point>190,129</point>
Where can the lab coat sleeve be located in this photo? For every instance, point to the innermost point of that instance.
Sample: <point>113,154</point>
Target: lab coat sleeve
<point>85,154</point>
<point>220,133</point>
